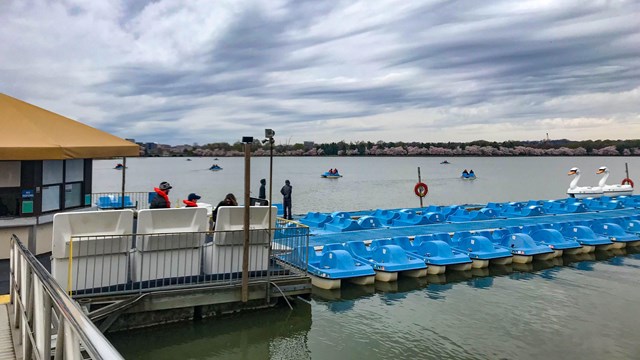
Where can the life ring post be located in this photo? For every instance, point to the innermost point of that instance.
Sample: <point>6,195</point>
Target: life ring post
<point>419,181</point>
<point>627,181</point>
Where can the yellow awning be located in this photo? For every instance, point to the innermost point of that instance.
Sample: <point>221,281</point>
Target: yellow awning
<point>32,133</point>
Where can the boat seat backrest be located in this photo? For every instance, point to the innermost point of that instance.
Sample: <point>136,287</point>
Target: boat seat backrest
<point>369,222</point>
<point>403,242</point>
<point>435,248</point>
<point>334,246</point>
<point>358,248</point>
<point>518,241</point>
<point>230,222</point>
<point>337,259</point>
<point>422,238</point>
<point>101,229</point>
<point>380,242</point>
<point>475,243</point>
<point>389,254</point>
<point>340,214</point>
<point>459,235</point>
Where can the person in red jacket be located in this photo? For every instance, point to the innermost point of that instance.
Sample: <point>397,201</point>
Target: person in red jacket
<point>192,200</point>
<point>161,200</point>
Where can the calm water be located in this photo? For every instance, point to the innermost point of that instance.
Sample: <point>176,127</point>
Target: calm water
<point>578,308</point>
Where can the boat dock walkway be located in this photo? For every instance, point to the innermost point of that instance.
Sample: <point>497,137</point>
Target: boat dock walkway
<point>6,337</point>
<point>388,232</point>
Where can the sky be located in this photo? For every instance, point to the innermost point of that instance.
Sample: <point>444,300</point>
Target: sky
<point>179,72</point>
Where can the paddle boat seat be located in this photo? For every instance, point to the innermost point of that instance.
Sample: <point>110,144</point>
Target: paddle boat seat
<point>614,232</point>
<point>523,248</point>
<point>316,219</point>
<point>602,204</point>
<point>340,214</point>
<point>329,266</point>
<point>585,236</point>
<point>480,248</point>
<point>555,241</point>
<point>369,222</point>
<point>385,216</point>
<point>387,258</point>
<point>410,218</point>
<point>342,224</point>
<point>462,215</point>
<point>439,253</point>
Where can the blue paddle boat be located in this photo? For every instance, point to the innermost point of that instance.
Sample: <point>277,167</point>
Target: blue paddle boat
<point>479,248</point>
<point>468,175</point>
<point>215,167</point>
<point>554,240</point>
<point>328,268</point>
<point>331,174</point>
<point>119,167</point>
<point>387,260</point>
<point>437,254</point>
<point>615,233</point>
<point>586,237</point>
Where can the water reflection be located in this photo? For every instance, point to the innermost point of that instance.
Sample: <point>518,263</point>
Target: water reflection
<point>264,335</point>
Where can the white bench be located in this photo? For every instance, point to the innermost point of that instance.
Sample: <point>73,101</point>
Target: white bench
<point>224,255</point>
<point>98,254</point>
<point>161,250</point>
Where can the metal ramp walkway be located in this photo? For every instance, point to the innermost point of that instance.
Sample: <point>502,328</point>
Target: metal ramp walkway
<point>6,342</point>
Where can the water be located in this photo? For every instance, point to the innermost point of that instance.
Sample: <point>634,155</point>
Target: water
<point>582,308</point>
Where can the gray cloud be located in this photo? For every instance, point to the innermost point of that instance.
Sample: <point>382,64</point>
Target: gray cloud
<point>205,71</point>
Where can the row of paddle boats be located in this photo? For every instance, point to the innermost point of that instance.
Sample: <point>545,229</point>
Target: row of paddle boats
<point>341,221</point>
<point>438,252</point>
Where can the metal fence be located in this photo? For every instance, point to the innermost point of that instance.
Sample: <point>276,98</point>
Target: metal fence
<point>134,263</point>
<point>115,200</point>
<point>43,312</point>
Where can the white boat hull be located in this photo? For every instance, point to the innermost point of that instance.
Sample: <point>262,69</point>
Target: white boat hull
<point>619,245</point>
<point>522,259</point>
<point>547,256</point>
<point>418,273</point>
<point>461,267</point>
<point>386,276</point>
<point>435,269</point>
<point>480,264</point>
<point>363,280</point>
<point>574,251</point>
<point>323,283</point>
<point>502,261</point>
<point>588,249</point>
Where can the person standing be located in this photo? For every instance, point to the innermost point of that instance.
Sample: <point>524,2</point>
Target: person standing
<point>286,201</point>
<point>263,191</point>
<point>161,199</point>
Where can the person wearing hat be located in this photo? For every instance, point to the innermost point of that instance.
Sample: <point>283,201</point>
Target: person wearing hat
<point>192,200</point>
<point>161,200</point>
<point>286,199</point>
<point>263,191</point>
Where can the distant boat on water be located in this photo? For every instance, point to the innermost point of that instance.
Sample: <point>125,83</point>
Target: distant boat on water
<point>445,162</point>
<point>119,166</point>
<point>215,167</point>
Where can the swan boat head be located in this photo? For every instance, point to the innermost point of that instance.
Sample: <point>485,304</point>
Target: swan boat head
<point>584,191</point>
<point>603,170</point>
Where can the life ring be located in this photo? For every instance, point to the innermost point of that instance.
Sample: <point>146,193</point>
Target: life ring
<point>626,181</point>
<point>421,189</point>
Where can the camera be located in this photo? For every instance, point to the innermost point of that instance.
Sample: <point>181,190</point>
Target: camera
<point>269,133</point>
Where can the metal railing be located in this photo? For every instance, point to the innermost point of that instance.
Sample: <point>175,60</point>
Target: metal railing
<point>42,311</point>
<point>114,200</point>
<point>136,263</point>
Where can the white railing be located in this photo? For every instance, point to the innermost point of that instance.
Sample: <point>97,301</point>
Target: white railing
<point>45,315</point>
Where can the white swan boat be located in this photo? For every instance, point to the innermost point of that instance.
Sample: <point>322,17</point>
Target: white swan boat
<point>612,190</point>
<point>582,192</point>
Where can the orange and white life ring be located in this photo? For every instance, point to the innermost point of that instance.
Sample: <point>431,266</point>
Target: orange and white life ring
<point>421,189</point>
<point>626,181</point>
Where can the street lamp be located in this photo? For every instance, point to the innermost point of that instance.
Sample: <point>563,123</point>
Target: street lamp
<point>269,134</point>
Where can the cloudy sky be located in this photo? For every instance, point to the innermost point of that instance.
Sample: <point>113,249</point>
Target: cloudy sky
<point>202,71</point>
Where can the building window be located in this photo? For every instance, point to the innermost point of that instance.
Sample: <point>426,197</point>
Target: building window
<point>72,195</point>
<point>9,202</point>
<point>50,198</point>
<point>10,171</point>
<point>52,172</point>
<point>74,170</point>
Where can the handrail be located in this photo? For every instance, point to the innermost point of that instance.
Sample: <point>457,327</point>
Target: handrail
<point>93,341</point>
